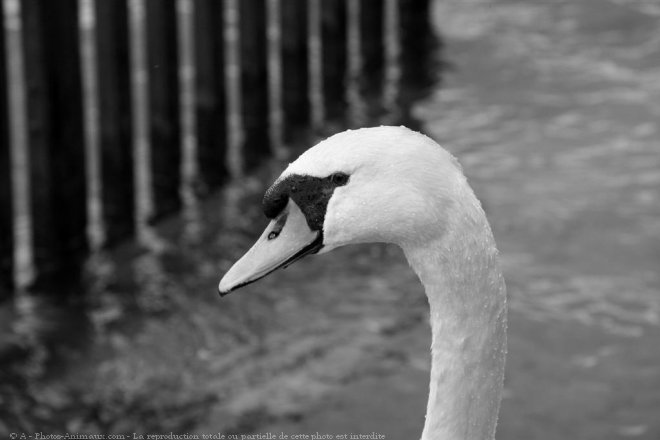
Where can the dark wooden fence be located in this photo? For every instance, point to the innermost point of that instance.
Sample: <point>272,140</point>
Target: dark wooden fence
<point>111,109</point>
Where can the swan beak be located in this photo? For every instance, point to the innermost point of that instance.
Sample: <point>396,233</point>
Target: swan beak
<point>287,239</point>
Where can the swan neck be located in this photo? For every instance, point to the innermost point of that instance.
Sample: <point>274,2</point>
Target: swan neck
<point>467,298</point>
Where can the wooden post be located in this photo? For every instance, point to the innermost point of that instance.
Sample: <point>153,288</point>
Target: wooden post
<point>189,167</point>
<point>333,34</point>
<point>254,81</point>
<point>210,94</point>
<point>6,212</point>
<point>391,61</point>
<point>371,30</point>
<point>295,67</point>
<point>274,73</point>
<point>55,133</point>
<point>115,114</point>
<point>356,112</point>
<point>164,124</point>
<point>315,65</point>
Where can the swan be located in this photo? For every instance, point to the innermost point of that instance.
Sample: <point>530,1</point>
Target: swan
<point>394,185</point>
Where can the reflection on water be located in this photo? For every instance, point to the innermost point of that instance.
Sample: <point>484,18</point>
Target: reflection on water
<point>618,305</point>
<point>55,329</point>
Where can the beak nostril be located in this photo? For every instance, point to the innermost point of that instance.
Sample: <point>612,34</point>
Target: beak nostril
<point>268,254</point>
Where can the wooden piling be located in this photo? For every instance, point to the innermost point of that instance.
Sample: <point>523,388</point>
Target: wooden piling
<point>295,67</point>
<point>392,66</point>
<point>356,111</point>
<point>55,135</point>
<point>254,81</point>
<point>210,93</point>
<point>115,112</point>
<point>315,64</point>
<point>136,85</point>
<point>164,123</point>
<point>6,216</point>
<point>333,34</point>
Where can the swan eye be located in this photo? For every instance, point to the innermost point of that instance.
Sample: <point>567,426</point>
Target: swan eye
<point>339,179</point>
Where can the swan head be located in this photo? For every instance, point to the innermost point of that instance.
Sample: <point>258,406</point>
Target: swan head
<point>381,184</point>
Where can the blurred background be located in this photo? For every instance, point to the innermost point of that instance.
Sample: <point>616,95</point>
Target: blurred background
<point>138,136</point>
